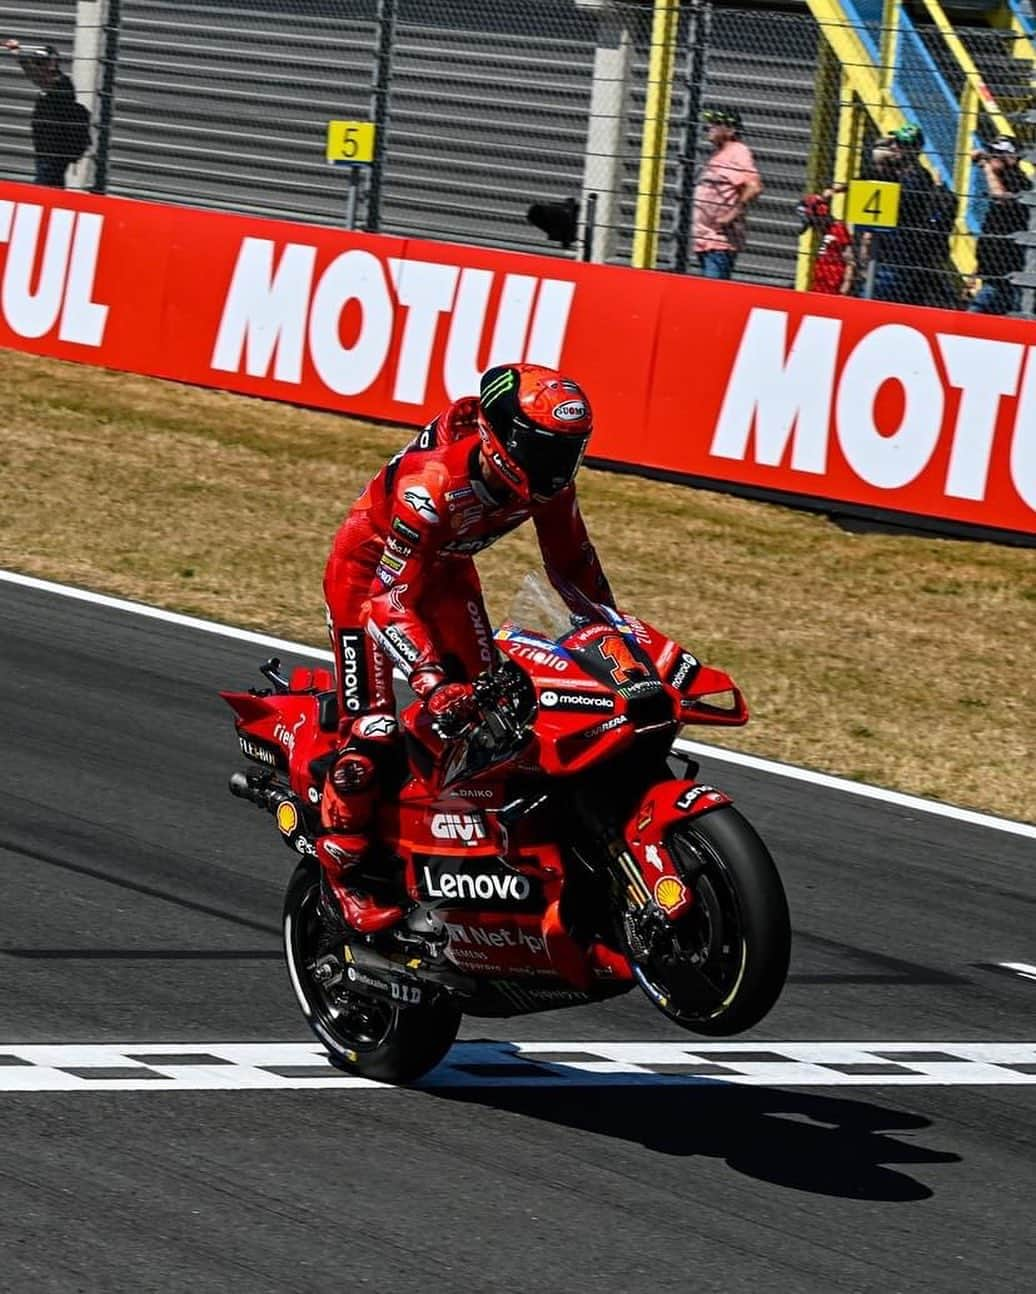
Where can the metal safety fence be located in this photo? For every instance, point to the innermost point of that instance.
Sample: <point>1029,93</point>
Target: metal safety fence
<point>630,131</point>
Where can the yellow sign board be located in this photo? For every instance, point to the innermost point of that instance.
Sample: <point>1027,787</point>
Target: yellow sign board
<point>873,202</point>
<point>350,143</point>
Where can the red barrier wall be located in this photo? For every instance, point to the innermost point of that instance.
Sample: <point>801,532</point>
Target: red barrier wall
<point>907,411</point>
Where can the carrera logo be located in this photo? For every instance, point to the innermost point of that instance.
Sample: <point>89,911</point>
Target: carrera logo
<point>467,827</point>
<point>576,701</point>
<point>280,310</point>
<point>48,278</point>
<point>483,887</point>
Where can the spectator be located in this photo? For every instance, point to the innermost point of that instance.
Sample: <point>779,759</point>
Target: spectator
<point>998,254</point>
<point>912,260</point>
<point>835,261</point>
<point>60,125</point>
<point>728,183</point>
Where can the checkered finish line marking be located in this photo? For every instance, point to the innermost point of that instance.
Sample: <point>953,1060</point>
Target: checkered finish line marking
<point>223,1066</point>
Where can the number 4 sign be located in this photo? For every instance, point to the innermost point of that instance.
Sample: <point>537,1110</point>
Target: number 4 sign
<point>873,202</point>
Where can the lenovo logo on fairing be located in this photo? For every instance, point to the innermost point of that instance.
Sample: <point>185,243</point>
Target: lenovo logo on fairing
<point>486,885</point>
<point>280,307</point>
<point>48,276</point>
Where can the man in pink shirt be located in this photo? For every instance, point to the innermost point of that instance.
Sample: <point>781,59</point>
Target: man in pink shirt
<point>728,183</point>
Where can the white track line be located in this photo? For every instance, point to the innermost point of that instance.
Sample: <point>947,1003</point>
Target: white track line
<point>208,1066</point>
<point>914,803</point>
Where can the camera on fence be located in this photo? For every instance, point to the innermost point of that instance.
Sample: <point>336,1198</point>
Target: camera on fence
<point>558,220</point>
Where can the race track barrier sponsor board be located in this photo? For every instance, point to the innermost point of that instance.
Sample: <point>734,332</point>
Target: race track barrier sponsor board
<point>889,410</point>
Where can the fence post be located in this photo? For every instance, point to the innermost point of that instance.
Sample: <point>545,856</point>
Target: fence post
<point>106,95</point>
<point>602,168</point>
<point>87,74</point>
<point>699,29</point>
<point>382,80</point>
<point>656,123</point>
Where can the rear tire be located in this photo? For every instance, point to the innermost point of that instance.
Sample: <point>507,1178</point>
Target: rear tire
<point>380,1040</point>
<point>730,953</point>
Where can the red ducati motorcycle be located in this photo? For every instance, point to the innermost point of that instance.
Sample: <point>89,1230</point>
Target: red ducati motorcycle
<point>558,852</point>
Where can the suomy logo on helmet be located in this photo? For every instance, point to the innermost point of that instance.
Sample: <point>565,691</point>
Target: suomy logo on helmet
<point>570,411</point>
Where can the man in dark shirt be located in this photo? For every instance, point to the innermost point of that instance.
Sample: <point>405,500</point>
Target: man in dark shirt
<point>998,254</point>
<point>912,259</point>
<point>57,119</point>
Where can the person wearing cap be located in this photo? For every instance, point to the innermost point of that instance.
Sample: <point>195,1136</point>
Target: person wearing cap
<point>835,262</point>
<point>999,256</point>
<point>727,185</point>
<point>913,258</point>
<point>60,130</point>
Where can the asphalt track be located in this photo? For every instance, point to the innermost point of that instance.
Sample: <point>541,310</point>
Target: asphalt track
<point>140,907</point>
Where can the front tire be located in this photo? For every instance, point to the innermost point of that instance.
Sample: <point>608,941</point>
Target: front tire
<point>380,1040</point>
<point>719,969</point>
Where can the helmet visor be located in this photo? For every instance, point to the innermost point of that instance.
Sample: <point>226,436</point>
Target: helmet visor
<point>549,460</point>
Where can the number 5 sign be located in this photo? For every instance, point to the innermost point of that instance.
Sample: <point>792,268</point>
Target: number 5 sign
<point>350,143</point>
<point>873,202</point>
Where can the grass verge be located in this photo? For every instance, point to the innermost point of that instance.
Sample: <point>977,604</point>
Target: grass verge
<point>893,659</point>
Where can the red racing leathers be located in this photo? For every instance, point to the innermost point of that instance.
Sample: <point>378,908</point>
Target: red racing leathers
<point>401,587</point>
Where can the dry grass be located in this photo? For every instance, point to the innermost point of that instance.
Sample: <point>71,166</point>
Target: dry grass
<point>903,661</point>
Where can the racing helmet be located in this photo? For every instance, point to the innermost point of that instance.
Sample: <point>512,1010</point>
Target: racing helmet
<point>535,426</point>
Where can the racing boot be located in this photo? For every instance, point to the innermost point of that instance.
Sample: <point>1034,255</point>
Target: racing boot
<point>347,812</point>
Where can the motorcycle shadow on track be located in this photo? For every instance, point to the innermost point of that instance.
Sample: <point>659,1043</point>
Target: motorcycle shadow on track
<point>824,1145</point>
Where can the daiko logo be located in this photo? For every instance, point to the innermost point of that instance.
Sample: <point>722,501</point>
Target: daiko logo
<point>48,275</point>
<point>278,308</point>
<point>779,399</point>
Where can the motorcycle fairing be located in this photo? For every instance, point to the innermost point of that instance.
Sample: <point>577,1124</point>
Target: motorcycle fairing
<point>662,807</point>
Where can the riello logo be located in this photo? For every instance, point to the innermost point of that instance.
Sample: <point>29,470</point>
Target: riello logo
<point>785,404</point>
<point>49,273</point>
<point>278,309</point>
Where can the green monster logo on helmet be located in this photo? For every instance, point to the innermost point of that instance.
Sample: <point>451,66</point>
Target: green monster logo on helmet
<point>498,386</point>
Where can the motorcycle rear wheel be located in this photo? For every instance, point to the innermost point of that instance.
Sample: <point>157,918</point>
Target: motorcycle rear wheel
<point>728,957</point>
<point>380,1040</point>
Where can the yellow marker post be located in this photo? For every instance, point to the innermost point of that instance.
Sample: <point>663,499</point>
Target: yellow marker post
<point>661,69</point>
<point>350,143</point>
<point>873,202</point>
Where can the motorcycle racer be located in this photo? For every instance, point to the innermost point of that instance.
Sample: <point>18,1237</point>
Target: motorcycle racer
<point>402,590</point>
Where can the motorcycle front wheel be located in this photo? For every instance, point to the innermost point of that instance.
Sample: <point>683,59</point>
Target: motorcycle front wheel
<point>364,1035</point>
<point>720,968</point>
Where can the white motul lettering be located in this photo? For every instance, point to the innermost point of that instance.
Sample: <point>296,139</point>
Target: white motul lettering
<point>547,334</point>
<point>265,311</point>
<point>897,353</point>
<point>1023,445</point>
<point>785,394</point>
<point>28,313</point>
<point>83,319</point>
<point>353,276</point>
<point>463,366</point>
<point>426,291</point>
<point>985,371</point>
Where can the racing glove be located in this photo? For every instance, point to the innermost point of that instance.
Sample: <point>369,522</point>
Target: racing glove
<point>451,707</point>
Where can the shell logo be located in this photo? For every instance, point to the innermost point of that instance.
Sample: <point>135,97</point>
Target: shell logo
<point>670,893</point>
<point>287,817</point>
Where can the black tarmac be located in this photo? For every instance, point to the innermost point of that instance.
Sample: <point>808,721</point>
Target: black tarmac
<point>141,903</point>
